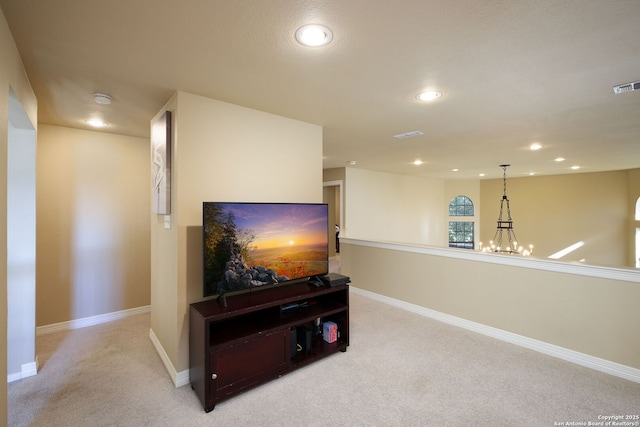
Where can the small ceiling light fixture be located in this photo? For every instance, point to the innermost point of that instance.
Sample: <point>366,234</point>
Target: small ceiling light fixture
<point>314,35</point>
<point>428,96</point>
<point>454,170</point>
<point>352,162</point>
<point>482,174</point>
<point>417,162</point>
<point>102,98</point>
<point>559,159</point>
<point>535,146</point>
<point>96,123</point>
<point>576,167</point>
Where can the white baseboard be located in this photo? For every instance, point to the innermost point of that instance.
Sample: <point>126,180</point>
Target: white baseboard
<point>14,377</point>
<point>26,370</point>
<point>179,378</point>
<point>91,321</point>
<point>602,365</point>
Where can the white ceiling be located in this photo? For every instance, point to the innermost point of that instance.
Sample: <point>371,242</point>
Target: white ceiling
<point>512,72</point>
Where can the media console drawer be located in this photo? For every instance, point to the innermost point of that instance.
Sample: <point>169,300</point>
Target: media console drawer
<point>249,342</point>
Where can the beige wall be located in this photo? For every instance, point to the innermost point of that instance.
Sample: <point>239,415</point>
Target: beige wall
<point>221,152</point>
<point>164,255</point>
<point>92,224</point>
<point>334,174</point>
<point>590,315</point>
<point>12,76</point>
<point>550,212</point>
<point>554,212</point>
<point>392,207</point>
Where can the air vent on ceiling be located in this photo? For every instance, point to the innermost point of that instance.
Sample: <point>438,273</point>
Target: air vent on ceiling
<point>627,87</point>
<point>408,134</point>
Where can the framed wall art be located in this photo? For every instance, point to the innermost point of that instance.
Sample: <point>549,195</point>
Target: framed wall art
<point>161,164</point>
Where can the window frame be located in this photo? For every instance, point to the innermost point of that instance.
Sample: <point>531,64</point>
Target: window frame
<point>459,234</point>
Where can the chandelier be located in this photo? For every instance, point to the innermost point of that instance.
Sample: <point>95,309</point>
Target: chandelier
<point>505,240</point>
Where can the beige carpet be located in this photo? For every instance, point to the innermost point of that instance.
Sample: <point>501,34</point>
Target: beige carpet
<point>400,370</point>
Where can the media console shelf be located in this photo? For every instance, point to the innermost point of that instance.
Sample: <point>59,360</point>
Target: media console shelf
<point>262,335</point>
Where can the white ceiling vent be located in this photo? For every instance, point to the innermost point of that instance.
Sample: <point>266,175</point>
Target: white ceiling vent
<point>102,98</point>
<point>627,87</point>
<point>408,134</point>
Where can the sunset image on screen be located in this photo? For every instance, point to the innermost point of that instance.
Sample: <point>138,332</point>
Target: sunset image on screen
<point>280,241</point>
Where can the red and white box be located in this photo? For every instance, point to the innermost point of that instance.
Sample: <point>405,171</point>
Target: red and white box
<point>330,332</point>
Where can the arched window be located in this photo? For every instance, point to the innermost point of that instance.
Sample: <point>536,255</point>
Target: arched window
<point>461,206</point>
<point>461,233</point>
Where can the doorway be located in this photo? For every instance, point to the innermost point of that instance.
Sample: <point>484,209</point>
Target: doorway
<point>21,243</point>
<point>332,196</point>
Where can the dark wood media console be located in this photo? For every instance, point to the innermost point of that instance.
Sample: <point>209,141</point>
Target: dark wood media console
<point>260,336</point>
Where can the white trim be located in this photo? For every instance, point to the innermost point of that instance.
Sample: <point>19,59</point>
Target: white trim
<point>27,370</point>
<point>182,378</point>
<point>623,274</point>
<point>602,365</point>
<point>179,378</point>
<point>14,377</point>
<point>91,321</point>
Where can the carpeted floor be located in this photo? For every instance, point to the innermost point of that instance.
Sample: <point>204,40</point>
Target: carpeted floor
<point>401,369</point>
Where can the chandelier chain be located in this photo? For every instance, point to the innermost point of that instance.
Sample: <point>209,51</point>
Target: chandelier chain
<point>512,241</point>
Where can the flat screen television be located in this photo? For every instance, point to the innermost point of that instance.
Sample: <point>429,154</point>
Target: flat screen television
<point>257,245</point>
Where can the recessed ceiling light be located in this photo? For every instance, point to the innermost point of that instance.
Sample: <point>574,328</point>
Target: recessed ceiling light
<point>96,123</point>
<point>559,159</point>
<point>352,162</point>
<point>531,173</point>
<point>576,167</point>
<point>417,162</point>
<point>482,174</point>
<point>535,146</point>
<point>454,170</point>
<point>428,96</point>
<point>314,35</point>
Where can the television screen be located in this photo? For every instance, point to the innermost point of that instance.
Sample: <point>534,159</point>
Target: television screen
<point>250,245</point>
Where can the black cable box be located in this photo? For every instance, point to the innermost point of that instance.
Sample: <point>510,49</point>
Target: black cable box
<point>335,279</point>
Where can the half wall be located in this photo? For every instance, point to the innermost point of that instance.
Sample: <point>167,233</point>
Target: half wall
<point>585,309</point>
